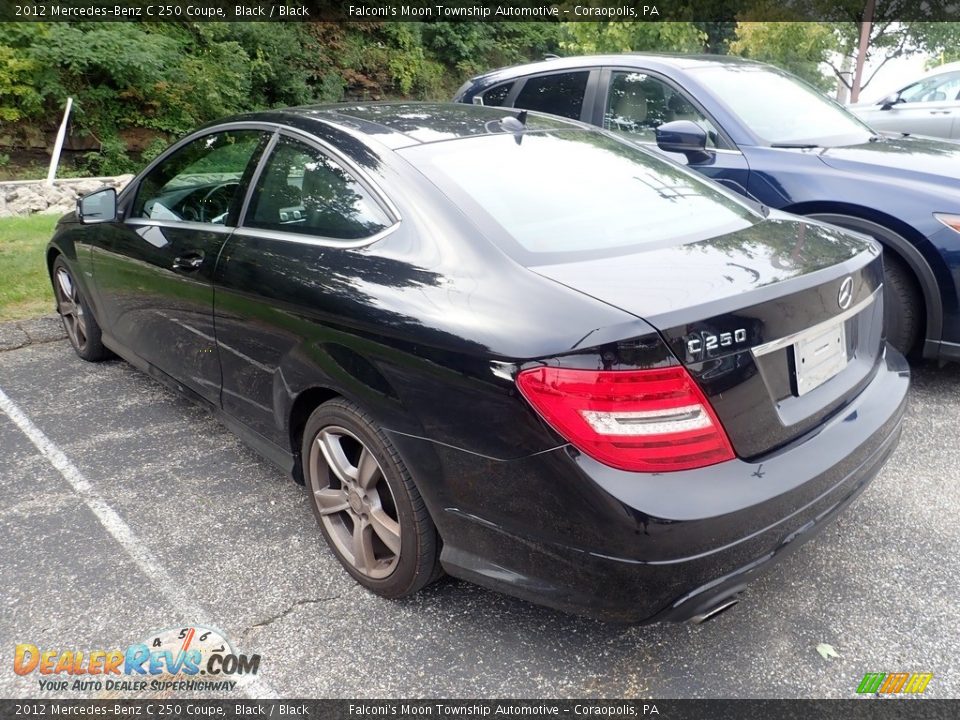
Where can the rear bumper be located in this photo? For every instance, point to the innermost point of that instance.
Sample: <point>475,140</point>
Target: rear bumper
<point>565,531</point>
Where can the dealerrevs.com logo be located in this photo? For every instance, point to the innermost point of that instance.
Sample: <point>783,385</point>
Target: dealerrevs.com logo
<point>167,660</point>
<point>894,683</point>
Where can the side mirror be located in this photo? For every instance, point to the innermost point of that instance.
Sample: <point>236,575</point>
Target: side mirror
<point>684,136</point>
<point>99,206</point>
<point>890,100</point>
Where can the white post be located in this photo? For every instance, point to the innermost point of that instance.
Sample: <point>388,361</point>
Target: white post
<point>58,146</point>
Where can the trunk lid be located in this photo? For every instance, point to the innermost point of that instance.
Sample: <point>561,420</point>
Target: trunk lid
<point>780,323</point>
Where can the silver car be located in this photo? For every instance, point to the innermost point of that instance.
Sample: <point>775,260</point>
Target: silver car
<point>928,106</point>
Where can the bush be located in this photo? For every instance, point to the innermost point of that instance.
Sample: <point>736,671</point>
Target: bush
<point>111,160</point>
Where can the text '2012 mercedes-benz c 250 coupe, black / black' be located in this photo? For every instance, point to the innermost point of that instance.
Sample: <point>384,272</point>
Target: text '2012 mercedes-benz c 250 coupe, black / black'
<point>506,346</point>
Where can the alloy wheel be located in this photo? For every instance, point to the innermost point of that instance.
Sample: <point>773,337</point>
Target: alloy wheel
<point>71,308</point>
<point>356,505</point>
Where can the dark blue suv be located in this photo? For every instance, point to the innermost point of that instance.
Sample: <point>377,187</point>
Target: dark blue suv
<point>769,136</point>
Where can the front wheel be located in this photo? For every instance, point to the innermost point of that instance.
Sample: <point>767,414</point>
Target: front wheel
<point>81,326</point>
<point>902,305</point>
<point>365,502</point>
<point>904,320</point>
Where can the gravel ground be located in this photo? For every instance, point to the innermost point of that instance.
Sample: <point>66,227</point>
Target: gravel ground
<point>157,516</point>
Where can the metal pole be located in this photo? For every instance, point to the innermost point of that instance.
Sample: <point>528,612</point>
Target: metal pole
<point>865,27</point>
<point>58,146</point>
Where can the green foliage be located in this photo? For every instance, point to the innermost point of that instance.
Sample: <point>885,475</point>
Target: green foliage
<point>799,47</point>
<point>111,160</point>
<point>18,97</point>
<point>24,286</point>
<point>618,37</point>
<point>945,56</point>
<point>411,69</point>
<point>153,150</point>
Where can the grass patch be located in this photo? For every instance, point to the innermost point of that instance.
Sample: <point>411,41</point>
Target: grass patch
<point>24,286</point>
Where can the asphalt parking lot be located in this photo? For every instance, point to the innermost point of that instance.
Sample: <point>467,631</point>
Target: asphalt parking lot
<point>128,509</point>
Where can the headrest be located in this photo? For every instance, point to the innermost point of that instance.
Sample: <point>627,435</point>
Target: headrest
<point>632,105</point>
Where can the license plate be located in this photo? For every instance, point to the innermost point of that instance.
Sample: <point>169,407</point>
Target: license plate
<point>819,357</point>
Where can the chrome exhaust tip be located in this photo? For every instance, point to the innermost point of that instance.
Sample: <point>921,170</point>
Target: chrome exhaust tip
<point>713,612</point>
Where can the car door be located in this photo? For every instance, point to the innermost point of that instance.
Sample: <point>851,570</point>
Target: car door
<point>928,107</point>
<point>285,274</point>
<point>153,269</point>
<point>633,103</point>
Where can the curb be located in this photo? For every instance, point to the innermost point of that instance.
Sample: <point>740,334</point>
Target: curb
<point>18,334</point>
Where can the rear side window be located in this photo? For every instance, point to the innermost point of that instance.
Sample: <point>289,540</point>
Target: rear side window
<point>557,94</point>
<point>302,190</point>
<point>496,96</point>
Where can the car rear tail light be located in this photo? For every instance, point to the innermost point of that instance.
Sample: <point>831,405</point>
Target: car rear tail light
<point>639,420</point>
<point>951,221</point>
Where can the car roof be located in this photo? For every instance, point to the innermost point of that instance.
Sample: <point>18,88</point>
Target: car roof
<point>682,62</point>
<point>402,124</point>
<point>940,70</point>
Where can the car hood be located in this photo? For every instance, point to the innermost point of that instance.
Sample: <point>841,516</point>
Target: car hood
<point>902,157</point>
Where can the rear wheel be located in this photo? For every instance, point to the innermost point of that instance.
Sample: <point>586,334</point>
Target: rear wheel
<point>81,326</point>
<point>365,502</point>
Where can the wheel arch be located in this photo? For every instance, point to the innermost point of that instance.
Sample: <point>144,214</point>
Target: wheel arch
<point>53,252</point>
<point>896,237</point>
<point>300,410</point>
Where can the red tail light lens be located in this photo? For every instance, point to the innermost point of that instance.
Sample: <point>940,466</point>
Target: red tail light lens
<point>640,420</point>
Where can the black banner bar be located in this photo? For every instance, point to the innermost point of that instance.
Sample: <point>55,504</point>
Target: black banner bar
<point>466,10</point>
<point>863,708</point>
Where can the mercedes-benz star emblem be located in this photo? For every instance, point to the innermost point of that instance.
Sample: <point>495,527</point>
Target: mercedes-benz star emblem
<point>845,296</point>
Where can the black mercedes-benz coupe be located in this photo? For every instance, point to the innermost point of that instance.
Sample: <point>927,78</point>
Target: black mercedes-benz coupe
<point>510,347</point>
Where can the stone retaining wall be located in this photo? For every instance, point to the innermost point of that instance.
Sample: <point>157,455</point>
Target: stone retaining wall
<point>25,197</point>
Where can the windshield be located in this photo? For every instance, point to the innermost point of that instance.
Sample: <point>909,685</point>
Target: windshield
<point>781,109</point>
<point>572,194</point>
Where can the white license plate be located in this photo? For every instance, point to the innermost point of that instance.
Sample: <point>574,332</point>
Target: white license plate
<point>819,357</point>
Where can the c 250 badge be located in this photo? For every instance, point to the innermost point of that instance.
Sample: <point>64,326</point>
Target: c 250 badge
<point>700,345</point>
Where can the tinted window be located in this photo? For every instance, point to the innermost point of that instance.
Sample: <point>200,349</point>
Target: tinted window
<point>781,109</point>
<point>637,104</point>
<point>496,96</point>
<point>302,190</point>
<point>558,94</point>
<point>200,181</point>
<point>575,192</point>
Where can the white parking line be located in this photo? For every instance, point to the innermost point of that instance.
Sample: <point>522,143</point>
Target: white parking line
<point>175,593</point>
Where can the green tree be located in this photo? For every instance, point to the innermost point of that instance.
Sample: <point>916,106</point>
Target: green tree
<point>618,37</point>
<point>799,47</point>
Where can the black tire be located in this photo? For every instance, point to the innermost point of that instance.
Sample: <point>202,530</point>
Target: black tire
<point>342,424</point>
<point>903,306</point>
<point>78,319</point>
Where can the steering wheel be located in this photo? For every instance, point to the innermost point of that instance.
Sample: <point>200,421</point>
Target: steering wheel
<point>217,201</point>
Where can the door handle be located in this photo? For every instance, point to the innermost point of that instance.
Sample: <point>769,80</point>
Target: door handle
<point>188,262</point>
<point>940,112</point>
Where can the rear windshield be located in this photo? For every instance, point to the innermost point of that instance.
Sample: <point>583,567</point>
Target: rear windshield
<point>570,194</point>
